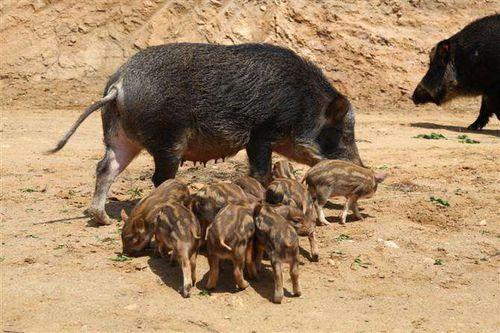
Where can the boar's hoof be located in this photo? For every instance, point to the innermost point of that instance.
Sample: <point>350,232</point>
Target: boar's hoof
<point>315,257</point>
<point>98,215</point>
<point>475,127</point>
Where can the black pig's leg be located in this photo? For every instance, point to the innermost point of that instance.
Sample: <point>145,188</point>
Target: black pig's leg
<point>490,105</point>
<point>120,151</point>
<point>259,157</point>
<point>166,166</point>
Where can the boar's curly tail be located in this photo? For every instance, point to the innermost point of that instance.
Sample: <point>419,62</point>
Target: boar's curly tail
<point>111,96</point>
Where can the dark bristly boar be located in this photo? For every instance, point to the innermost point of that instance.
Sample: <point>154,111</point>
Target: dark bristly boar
<point>199,102</point>
<point>178,230</point>
<point>230,236</point>
<point>283,169</point>
<point>466,64</point>
<point>208,201</point>
<point>340,178</point>
<point>284,191</point>
<point>138,228</point>
<point>252,187</point>
<point>275,236</point>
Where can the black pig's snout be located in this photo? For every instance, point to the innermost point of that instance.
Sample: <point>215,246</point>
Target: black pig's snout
<point>421,96</point>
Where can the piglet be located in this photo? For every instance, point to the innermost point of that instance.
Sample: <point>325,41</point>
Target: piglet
<point>283,169</point>
<point>331,178</point>
<point>252,187</point>
<point>289,192</point>
<point>230,236</point>
<point>138,228</point>
<point>178,230</point>
<point>207,202</point>
<point>275,236</point>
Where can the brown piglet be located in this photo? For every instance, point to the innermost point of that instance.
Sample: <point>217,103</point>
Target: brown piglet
<point>138,228</point>
<point>178,230</point>
<point>207,202</point>
<point>230,236</point>
<point>332,178</point>
<point>289,192</point>
<point>252,187</point>
<point>275,236</point>
<point>283,169</point>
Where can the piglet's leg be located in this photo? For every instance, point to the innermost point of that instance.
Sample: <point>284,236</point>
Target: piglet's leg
<point>294,275</point>
<point>239,262</point>
<point>322,194</point>
<point>355,209</point>
<point>213,274</point>
<point>348,203</point>
<point>314,246</point>
<point>278,281</point>
<point>259,254</point>
<point>186,274</point>
<point>192,261</point>
<point>249,262</point>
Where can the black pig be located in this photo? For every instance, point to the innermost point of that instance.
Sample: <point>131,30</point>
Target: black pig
<point>200,102</point>
<point>468,63</point>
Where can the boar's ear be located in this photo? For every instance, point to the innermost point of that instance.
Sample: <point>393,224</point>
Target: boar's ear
<point>123,215</point>
<point>443,52</point>
<point>379,177</point>
<point>337,109</point>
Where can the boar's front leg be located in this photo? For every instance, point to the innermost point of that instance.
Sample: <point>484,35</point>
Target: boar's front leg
<point>490,104</point>
<point>294,275</point>
<point>166,166</point>
<point>259,157</point>
<point>348,203</point>
<point>356,211</point>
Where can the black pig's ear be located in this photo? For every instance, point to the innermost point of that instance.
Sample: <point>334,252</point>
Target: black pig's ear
<point>443,51</point>
<point>337,109</point>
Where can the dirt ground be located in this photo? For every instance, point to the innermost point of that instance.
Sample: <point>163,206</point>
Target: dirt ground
<point>411,265</point>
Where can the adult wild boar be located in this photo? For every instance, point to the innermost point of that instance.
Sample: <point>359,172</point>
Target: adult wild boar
<point>200,102</point>
<point>468,63</point>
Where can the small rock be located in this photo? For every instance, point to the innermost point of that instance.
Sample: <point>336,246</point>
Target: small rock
<point>482,223</point>
<point>29,260</point>
<point>331,262</point>
<point>263,8</point>
<point>331,280</point>
<point>391,244</point>
<point>132,307</point>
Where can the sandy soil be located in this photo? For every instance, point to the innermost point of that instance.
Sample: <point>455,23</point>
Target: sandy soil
<point>381,274</point>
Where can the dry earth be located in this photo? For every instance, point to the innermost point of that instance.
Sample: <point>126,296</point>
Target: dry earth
<point>411,265</point>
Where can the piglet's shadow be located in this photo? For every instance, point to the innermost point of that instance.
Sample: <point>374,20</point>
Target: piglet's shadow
<point>458,129</point>
<point>170,275</point>
<point>264,286</point>
<point>350,218</point>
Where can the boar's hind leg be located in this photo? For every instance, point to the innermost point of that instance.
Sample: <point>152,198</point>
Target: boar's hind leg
<point>490,104</point>
<point>259,157</point>
<point>278,281</point>
<point>120,151</point>
<point>321,197</point>
<point>294,275</point>
<point>239,262</point>
<point>186,274</point>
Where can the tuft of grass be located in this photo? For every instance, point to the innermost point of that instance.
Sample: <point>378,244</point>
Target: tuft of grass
<point>204,292</point>
<point>28,190</point>
<point>359,262</point>
<point>439,201</point>
<point>135,192</point>
<point>432,136</point>
<point>439,262</point>
<point>59,247</point>
<point>32,236</point>
<point>120,257</point>
<point>342,237</point>
<point>2,258</point>
<point>465,139</point>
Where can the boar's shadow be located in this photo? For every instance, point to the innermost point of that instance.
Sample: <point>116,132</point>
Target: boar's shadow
<point>458,129</point>
<point>113,209</point>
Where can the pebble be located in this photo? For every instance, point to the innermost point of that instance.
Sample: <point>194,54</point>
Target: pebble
<point>482,222</point>
<point>391,244</point>
<point>132,307</point>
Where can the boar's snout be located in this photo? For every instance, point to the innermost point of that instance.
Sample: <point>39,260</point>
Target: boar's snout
<point>421,96</point>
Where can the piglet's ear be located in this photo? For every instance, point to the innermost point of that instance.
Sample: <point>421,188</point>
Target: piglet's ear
<point>379,177</point>
<point>338,108</point>
<point>123,215</point>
